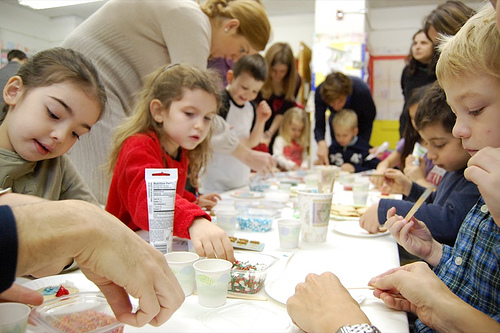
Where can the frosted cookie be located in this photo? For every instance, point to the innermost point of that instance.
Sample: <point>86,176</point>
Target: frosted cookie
<point>63,289</point>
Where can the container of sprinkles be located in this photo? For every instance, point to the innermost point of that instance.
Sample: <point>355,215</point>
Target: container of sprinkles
<point>256,219</point>
<point>81,312</point>
<point>249,272</point>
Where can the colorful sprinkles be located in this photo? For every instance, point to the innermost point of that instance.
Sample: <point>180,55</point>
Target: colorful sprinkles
<point>247,278</point>
<point>86,321</point>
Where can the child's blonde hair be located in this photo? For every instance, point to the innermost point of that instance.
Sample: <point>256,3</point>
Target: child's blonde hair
<point>473,50</point>
<point>298,115</point>
<point>168,84</point>
<point>345,118</point>
<point>254,23</point>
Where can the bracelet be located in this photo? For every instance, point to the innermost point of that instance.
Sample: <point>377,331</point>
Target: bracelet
<point>363,328</point>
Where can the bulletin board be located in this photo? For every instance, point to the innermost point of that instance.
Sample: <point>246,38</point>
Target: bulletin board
<point>385,84</point>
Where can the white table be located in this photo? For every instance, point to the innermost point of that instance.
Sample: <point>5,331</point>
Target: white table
<point>354,259</point>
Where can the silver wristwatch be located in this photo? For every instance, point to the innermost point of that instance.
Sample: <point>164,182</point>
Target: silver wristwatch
<point>363,328</point>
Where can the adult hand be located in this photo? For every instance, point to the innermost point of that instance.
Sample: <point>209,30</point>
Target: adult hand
<point>210,241</point>
<point>322,304</point>
<point>20,294</point>
<point>414,236</point>
<point>110,254</point>
<point>394,181</point>
<point>208,201</point>
<point>322,153</point>
<point>482,170</point>
<point>412,288</point>
<point>415,288</point>
<point>369,220</point>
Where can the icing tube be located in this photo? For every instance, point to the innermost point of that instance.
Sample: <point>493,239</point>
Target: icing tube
<point>419,151</point>
<point>161,187</point>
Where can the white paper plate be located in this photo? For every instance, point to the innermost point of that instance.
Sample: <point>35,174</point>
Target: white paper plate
<point>282,289</point>
<point>230,318</point>
<point>353,229</point>
<point>247,195</point>
<point>79,280</point>
<point>344,218</point>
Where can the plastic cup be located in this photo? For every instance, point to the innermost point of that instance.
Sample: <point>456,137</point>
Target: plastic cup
<point>314,211</point>
<point>181,264</point>
<point>226,220</point>
<point>13,317</point>
<point>289,230</point>
<point>326,174</point>
<point>360,192</point>
<point>212,279</point>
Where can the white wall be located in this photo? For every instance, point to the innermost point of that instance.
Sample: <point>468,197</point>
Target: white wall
<point>390,30</point>
<point>293,29</point>
<point>27,30</point>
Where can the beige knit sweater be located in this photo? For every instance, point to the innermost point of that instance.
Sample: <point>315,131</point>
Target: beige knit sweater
<point>126,40</point>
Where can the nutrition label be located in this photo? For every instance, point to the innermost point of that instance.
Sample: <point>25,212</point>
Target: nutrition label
<point>161,188</point>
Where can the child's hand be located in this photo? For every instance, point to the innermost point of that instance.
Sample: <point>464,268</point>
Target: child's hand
<point>210,241</point>
<point>415,172</point>
<point>347,167</point>
<point>394,181</point>
<point>208,201</point>
<point>369,220</point>
<point>414,236</point>
<point>483,171</point>
<point>264,111</point>
<point>379,181</point>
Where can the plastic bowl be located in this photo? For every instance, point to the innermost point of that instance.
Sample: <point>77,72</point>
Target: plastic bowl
<point>249,272</point>
<point>81,312</point>
<point>256,219</point>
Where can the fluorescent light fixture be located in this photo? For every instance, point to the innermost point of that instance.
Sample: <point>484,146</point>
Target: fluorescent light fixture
<point>42,4</point>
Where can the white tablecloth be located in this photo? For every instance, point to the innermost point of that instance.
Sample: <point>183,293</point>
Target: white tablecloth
<point>355,259</point>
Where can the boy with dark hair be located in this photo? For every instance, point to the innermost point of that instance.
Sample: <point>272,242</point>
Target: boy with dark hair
<point>244,83</point>
<point>446,208</point>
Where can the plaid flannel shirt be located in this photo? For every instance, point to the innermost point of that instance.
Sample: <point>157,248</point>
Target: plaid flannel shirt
<point>471,268</point>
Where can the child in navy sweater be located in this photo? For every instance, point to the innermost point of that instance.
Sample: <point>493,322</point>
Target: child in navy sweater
<point>348,150</point>
<point>446,208</point>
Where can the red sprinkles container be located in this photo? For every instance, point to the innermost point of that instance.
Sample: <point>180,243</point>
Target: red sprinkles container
<point>249,272</point>
<point>82,312</point>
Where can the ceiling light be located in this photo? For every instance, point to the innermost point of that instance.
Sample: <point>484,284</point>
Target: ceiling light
<point>42,4</point>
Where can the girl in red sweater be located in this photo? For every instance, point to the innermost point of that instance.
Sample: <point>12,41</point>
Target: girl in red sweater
<point>170,128</point>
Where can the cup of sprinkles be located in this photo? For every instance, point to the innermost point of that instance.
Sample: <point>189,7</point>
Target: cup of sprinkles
<point>81,312</point>
<point>249,272</point>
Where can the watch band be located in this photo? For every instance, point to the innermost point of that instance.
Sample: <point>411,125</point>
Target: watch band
<point>362,328</point>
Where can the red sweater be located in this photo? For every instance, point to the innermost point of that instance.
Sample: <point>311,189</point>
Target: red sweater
<point>127,199</point>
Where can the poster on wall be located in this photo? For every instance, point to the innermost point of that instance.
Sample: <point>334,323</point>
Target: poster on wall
<point>338,52</point>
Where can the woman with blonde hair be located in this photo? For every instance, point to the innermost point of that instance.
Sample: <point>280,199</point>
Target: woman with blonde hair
<point>129,39</point>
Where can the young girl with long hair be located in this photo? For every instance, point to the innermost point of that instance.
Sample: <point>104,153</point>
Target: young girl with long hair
<point>169,128</point>
<point>53,100</point>
<point>290,148</point>
<point>280,89</point>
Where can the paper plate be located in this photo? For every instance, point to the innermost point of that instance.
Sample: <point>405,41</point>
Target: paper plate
<point>282,289</point>
<point>79,280</point>
<point>247,195</point>
<point>353,229</point>
<point>254,318</point>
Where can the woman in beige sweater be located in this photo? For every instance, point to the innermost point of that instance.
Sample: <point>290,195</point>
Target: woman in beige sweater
<point>128,39</point>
